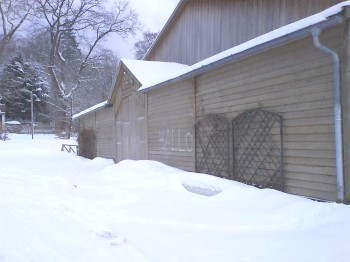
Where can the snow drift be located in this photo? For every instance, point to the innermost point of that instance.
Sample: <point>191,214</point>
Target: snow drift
<point>56,206</point>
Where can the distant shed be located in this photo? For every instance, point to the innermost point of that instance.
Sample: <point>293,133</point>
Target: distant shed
<point>100,119</point>
<point>130,107</point>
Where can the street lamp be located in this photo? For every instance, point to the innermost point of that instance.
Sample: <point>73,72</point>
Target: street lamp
<point>37,99</point>
<point>32,113</point>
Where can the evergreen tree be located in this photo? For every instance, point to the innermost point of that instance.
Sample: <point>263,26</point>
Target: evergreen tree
<point>69,47</point>
<point>19,78</point>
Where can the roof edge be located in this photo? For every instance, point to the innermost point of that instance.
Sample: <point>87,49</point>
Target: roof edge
<point>92,109</point>
<point>326,24</point>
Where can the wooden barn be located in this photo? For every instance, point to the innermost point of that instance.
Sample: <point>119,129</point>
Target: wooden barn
<point>264,98</point>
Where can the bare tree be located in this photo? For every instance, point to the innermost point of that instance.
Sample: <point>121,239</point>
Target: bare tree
<point>141,47</point>
<point>13,14</point>
<point>99,80</point>
<point>91,22</point>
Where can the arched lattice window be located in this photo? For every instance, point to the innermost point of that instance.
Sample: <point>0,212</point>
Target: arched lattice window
<point>212,146</point>
<point>257,149</point>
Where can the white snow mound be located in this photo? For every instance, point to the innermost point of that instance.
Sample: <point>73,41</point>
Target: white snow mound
<point>56,206</point>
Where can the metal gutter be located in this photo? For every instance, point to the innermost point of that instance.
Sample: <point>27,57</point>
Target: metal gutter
<point>329,23</point>
<point>338,123</point>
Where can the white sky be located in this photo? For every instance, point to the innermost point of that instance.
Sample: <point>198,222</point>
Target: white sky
<point>153,14</point>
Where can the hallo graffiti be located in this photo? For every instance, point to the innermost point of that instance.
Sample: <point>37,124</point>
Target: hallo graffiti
<point>177,140</point>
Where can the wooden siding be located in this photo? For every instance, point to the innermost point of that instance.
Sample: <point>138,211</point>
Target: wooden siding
<point>130,120</point>
<point>204,28</point>
<point>171,125</point>
<point>87,121</point>
<point>294,81</point>
<point>102,121</point>
<point>104,131</point>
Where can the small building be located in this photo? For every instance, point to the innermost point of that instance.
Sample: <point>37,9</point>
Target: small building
<point>259,100</point>
<point>120,123</point>
<point>15,127</point>
<point>130,107</point>
<point>100,119</point>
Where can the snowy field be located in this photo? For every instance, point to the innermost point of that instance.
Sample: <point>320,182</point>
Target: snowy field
<point>56,206</point>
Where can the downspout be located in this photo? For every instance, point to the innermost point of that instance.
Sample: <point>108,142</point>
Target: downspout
<point>338,125</point>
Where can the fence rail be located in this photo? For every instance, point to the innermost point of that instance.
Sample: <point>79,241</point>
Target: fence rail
<point>26,128</point>
<point>70,148</point>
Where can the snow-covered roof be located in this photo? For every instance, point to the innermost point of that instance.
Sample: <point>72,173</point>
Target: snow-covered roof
<point>91,109</point>
<point>146,71</point>
<point>12,123</point>
<point>162,79</point>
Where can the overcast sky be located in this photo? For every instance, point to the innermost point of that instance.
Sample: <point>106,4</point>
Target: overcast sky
<point>153,14</point>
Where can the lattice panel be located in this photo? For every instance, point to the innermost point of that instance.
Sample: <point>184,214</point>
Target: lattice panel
<point>257,149</point>
<point>212,146</point>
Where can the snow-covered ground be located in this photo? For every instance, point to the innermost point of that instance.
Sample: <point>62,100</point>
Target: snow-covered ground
<point>55,206</point>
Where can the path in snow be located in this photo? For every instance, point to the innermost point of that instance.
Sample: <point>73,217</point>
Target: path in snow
<point>37,183</point>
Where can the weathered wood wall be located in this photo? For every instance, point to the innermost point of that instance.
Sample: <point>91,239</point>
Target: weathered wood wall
<point>171,125</point>
<point>102,121</point>
<point>130,118</point>
<point>294,81</point>
<point>206,27</point>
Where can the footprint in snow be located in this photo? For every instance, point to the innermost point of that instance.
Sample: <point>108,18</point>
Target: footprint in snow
<point>107,234</point>
<point>116,239</point>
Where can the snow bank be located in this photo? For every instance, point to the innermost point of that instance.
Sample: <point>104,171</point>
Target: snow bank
<point>56,206</point>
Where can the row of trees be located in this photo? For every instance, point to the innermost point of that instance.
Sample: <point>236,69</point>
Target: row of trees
<point>60,57</point>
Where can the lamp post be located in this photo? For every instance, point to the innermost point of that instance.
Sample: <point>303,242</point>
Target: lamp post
<point>32,113</point>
